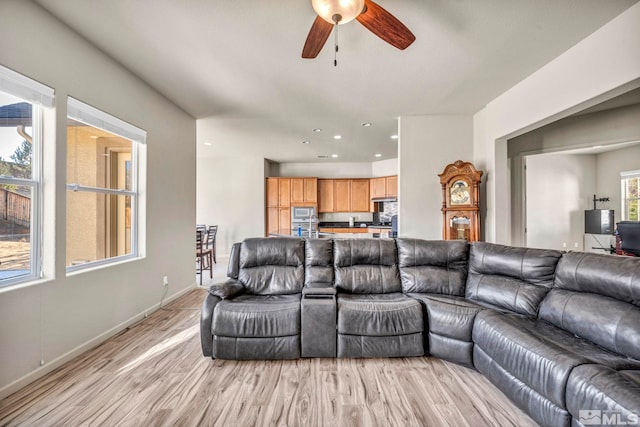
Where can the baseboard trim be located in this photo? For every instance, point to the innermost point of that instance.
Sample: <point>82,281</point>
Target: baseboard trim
<point>27,379</point>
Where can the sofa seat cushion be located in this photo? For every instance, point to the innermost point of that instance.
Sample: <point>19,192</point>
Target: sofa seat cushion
<point>253,316</point>
<point>598,388</point>
<point>538,353</point>
<point>378,314</point>
<point>449,316</point>
<point>450,323</point>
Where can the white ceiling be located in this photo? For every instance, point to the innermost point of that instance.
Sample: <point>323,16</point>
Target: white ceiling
<point>238,63</point>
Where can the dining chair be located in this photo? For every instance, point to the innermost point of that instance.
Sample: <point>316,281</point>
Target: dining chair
<point>211,240</point>
<point>204,257</point>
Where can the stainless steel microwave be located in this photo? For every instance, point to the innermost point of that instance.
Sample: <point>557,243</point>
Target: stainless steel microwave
<point>302,213</point>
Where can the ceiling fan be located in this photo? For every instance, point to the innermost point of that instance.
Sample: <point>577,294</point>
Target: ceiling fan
<point>371,15</point>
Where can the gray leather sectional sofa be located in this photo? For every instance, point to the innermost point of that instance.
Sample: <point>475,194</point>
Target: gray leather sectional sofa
<point>558,333</point>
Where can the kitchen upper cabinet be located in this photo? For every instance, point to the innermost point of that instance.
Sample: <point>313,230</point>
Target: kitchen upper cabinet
<point>325,196</point>
<point>284,192</point>
<point>385,186</point>
<point>272,192</point>
<point>378,187</point>
<point>311,190</point>
<point>359,195</point>
<point>391,186</point>
<point>342,195</point>
<point>297,190</point>
<point>304,191</point>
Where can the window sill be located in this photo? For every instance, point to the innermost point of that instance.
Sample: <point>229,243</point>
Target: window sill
<point>99,265</point>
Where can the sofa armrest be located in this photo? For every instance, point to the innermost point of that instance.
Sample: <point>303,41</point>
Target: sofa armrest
<point>226,290</point>
<point>318,321</point>
<point>233,268</point>
<point>318,291</point>
<point>206,318</point>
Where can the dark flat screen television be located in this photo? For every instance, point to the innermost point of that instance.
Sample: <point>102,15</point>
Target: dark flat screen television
<point>599,221</point>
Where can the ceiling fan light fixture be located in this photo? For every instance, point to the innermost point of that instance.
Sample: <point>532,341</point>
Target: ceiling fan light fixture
<point>347,10</point>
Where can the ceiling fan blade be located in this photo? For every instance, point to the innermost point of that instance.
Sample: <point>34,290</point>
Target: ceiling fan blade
<point>385,25</point>
<point>318,35</point>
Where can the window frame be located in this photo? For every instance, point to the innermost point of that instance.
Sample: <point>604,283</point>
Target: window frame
<point>40,97</point>
<point>91,116</point>
<point>624,177</point>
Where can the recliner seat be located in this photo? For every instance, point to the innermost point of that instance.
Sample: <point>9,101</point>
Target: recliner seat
<point>374,318</point>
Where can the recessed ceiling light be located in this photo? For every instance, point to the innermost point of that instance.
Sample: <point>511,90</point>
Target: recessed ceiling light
<point>337,136</point>
<point>306,142</point>
<point>378,155</point>
<point>365,124</point>
<point>334,155</point>
<point>208,144</point>
<point>322,156</point>
<point>316,130</point>
<point>394,136</point>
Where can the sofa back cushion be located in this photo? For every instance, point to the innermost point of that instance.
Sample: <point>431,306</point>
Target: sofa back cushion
<point>433,266</point>
<point>366,266</point>
<point>597,297</point>
<point>272,266</point>
<point>511,278</point>
<point>318,263</point>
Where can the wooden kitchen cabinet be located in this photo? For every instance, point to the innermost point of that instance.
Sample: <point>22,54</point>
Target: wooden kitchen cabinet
<point>284,192</point>
<point>359,195</point>
<point>384,186</point>
<point>284,219</point>
<point>272,192</point>
<point>391,186</point>
<point>297,190</point>
<point>325,195</point>
<point>311,190</point>
<point>342,195</point>
<point>273,220</point>
<point>378,187</point>
<point>304,191</point>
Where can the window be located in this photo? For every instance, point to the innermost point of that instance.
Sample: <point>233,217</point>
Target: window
<point>22,101</point>
<point>630,195</point>
<point>103,155</point>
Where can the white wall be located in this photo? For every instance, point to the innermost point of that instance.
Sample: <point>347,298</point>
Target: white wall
<point>60,317</point>
<point>614,126</point>
<point>599,67</point>
<point>384,168</point>
<point>230,194</point>
<point>609,166</point>
<point>427,144</point>
<point>327,170</point>
<point>559,189</point>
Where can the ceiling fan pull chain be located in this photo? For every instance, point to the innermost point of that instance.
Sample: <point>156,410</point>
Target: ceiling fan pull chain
<point>335,53</point>
<point>336,19</point>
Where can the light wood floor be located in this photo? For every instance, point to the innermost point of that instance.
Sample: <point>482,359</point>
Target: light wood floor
<point>154,374</point>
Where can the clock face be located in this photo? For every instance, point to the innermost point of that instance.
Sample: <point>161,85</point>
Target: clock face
<point>459,193</point>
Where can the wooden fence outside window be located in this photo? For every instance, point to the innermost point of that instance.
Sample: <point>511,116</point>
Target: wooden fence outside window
<point>15,208</point>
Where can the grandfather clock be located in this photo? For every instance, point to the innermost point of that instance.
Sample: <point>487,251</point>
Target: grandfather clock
<point>460,201</point>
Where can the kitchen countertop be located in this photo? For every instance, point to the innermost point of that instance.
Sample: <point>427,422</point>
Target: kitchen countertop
<point>357,224</point>
<point>339,235</point>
